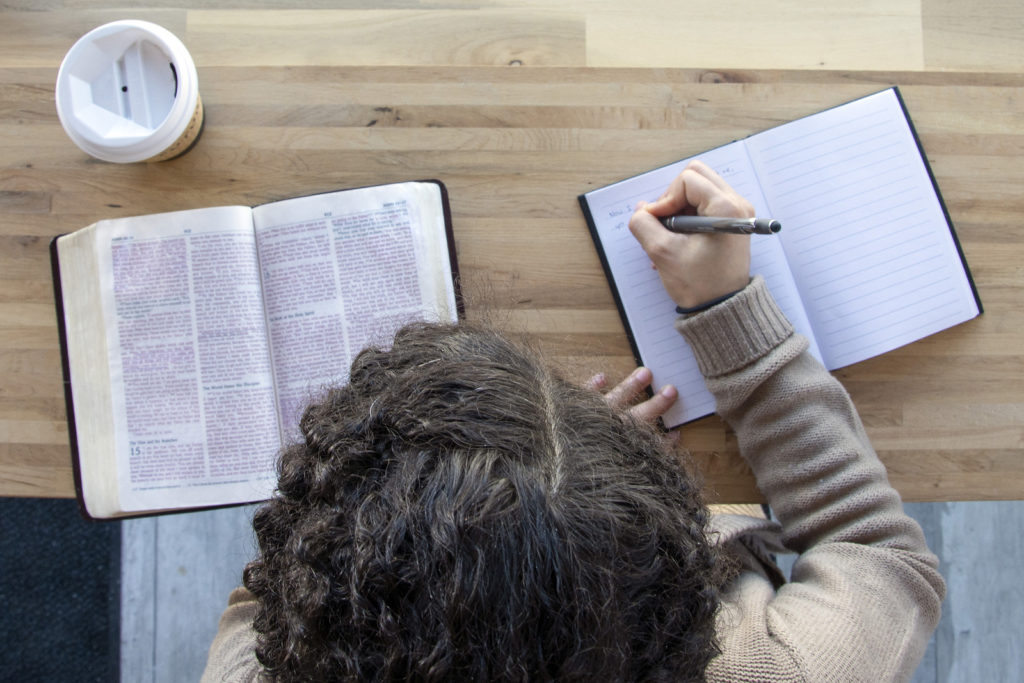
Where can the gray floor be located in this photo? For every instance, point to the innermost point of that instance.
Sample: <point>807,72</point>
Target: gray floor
<point>981,545</point>
<point>177,572</point>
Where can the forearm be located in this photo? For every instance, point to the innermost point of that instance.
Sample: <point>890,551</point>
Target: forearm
<point>797,428</point>
<point>865,576</point>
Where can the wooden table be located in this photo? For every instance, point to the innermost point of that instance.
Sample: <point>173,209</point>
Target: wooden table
<point>515,146</point>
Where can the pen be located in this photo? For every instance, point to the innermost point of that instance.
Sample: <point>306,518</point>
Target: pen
<point>742,226</point>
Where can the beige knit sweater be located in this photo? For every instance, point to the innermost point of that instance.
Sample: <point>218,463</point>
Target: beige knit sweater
<point>865,593</point>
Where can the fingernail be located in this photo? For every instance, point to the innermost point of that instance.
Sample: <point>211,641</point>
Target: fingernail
<point>668,391</point>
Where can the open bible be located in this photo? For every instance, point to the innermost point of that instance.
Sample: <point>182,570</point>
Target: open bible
<point>867,259</point>
<point>193,340</point>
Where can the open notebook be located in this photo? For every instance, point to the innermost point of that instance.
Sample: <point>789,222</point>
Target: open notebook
<point>867,259</point>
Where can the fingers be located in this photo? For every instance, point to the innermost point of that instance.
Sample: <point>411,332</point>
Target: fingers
<point>656,406</point>
<point>649,232</point>
<point>724,200</point>
<point>623,393</point>
<point>626,391</point>
<point>691,189</point>
<point>701,190</point>
<point>706,171</point>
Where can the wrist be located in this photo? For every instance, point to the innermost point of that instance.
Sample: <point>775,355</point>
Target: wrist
<point>690,310</point>
<point>697,282</point>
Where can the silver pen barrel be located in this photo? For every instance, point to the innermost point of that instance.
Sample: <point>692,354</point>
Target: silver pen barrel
<point>711,224</point>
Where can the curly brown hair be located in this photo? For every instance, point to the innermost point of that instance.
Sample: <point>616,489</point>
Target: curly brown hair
<point>457,511</point>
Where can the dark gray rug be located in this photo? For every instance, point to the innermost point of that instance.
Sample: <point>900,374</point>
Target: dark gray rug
<point>59,593</point>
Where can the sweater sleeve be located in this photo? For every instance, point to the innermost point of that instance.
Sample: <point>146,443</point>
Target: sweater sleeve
<point>232,656</point>
<point>865,593</point>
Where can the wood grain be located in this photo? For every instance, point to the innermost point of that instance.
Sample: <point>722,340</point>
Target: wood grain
<point>746,34</point>
<point>975,36</point>
<point>359,93</point>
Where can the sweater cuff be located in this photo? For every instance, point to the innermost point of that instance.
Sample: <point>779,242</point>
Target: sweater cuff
<point>736,332</point>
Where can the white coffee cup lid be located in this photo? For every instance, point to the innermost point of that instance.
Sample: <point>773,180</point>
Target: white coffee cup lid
<point>126,91</point>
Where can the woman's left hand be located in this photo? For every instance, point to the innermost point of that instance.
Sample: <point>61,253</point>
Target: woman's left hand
<point>625,392</point>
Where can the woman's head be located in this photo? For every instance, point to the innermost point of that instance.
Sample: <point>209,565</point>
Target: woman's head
<point>458,511</point>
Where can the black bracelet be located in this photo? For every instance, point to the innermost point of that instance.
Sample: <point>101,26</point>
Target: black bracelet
<point>707,304</point>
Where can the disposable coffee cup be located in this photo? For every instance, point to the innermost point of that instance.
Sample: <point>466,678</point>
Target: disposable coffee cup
<point>128,91</point>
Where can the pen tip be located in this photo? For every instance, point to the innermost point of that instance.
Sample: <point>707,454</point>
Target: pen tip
<point>775,226</point>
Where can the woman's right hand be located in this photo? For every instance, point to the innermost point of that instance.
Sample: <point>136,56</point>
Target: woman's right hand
<point>695,268</point>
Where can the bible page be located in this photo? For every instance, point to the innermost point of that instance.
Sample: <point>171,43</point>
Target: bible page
<point>190,367</point>
<point>864,230</point>
<point>345,270</point>
<point>647,307</point>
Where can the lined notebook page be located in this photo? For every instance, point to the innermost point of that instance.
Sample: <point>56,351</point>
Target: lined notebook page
<point>863,229</point>
<point>648,309</point>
